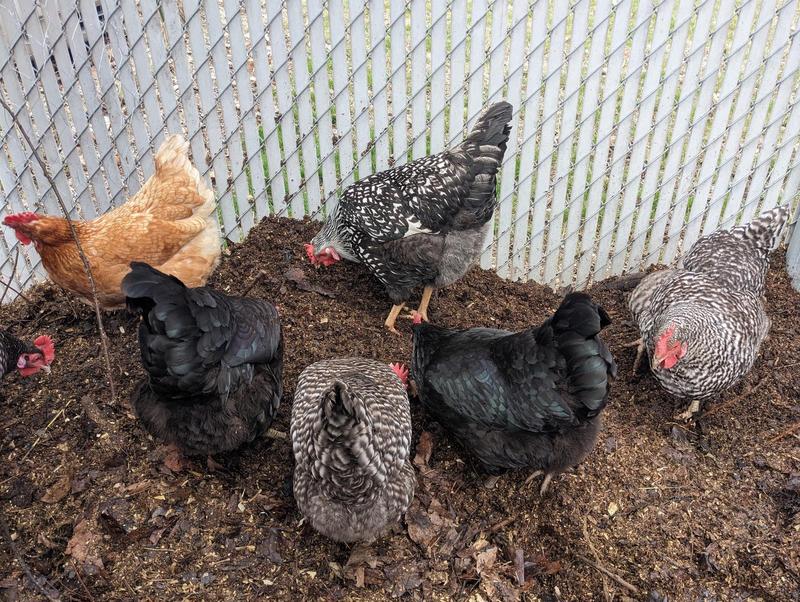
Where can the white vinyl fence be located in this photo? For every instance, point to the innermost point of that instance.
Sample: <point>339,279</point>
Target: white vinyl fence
<point>639,125</point>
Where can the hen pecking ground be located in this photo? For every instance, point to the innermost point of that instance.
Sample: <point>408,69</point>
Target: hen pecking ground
<point>659,510</point>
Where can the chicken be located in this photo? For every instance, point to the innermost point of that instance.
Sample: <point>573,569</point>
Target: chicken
<point>214,363</point>
<point>702,324</point>
<point>169,223</point>
<point>530,399</point>
<point>422,223</point>
<point>25,358</point>
<point>351,431</point>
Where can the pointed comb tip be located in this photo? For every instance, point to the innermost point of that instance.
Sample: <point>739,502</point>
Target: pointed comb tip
<point>401,370</point>
<point>45,344</point>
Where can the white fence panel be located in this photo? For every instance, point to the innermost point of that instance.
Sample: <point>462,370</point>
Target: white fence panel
<point>638,126</point>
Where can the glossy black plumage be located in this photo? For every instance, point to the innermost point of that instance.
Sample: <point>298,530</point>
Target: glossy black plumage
<point>214,362</point>
<point>526,399</point>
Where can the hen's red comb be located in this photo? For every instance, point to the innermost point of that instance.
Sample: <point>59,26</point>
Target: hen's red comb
<point>416,318</point>
<point>45,344</point>
<point>309,251</point>
<point>402,372</point>
<point>16,219</point>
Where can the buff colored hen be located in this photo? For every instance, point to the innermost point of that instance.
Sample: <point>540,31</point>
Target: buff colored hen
<point>169,224</point>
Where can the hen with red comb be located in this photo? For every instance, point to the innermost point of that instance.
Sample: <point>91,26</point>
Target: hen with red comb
<point>702,324</point>
<point>169,224</point>
<point>421,224</point>
<point>25,358</point>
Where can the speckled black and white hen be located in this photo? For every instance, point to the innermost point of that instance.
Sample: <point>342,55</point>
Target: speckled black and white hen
<point>422,223</point>
<point>351,432</point>
<point>702,324</point>
<point>214,363</point>
<point>25,358</point>
<point>530,399</point>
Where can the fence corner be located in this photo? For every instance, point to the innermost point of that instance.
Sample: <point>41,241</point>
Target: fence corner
<point>793,254</point>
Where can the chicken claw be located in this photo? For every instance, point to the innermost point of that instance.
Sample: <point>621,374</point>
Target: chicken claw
<point>392,318</point>
<point>691,411</point>
<point>491,481</point>
<point>639,344</point>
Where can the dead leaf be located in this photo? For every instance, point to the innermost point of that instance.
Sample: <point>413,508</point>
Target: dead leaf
<point>298,278</point>
<point>174,460</point>
<point>156,536</point>
<point>405,576</point>
<point>137,487</point>
<point>424,527</point>
<point>116,516</point>
<point>9,588</point>
<point>613,508</point>
<point>362,556</point>
<point>421,529</point>
<point>541,565</point>
<point>424,449</point>
<point>486,559</point>
<point>82,546</point>
<point>58,490</point>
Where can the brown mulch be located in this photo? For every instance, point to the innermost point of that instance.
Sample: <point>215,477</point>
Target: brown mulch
<point>702,511</point>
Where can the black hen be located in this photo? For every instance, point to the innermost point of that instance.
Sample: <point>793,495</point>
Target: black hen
<point>526,399</point>
<point>422,223</point>
<point>214,363</point>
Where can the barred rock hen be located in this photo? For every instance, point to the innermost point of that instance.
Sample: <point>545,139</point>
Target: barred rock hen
<point>214,363</point>
<point>351,431</point>
<point>702,324</point>
<point>422,223</point>
<point>25,358</point>
<point>515,400</point>
<point>169,223</point>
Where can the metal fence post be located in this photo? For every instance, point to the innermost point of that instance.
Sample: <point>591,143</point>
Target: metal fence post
<point>793,253</point>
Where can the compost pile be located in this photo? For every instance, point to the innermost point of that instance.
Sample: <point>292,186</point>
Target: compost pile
<point>659,510</point>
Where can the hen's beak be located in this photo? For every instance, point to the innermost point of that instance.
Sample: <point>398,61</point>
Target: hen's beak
<point>46,368</point>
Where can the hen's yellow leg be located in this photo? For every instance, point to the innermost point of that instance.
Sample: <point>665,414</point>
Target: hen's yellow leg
<point>392,317</point>
<point>423,305</point>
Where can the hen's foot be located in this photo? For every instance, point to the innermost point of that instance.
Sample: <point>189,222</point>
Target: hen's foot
<point>423,304</point>
<point>213,465</point>
<point>532,476</point>
<point>392,318</point>
<point>545,484</point>
<point>273,434</point>
<point>491,481</point>
<point>690,413</point>
<point>639,344</point>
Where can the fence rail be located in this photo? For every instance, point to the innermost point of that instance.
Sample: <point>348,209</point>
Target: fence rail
<point>639,126</point>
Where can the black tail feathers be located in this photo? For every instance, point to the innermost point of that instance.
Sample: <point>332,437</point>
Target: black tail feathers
<point>492,127</point>
<point>579,313</point>
<point>144,284</point>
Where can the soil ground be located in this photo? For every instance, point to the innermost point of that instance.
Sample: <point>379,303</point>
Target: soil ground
<point>679,512</point>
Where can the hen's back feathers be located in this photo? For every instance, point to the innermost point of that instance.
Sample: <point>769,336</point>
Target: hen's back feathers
<point>739,258</point>
<point>175,191</point>
<point>506,395</point>
<point>351,432</point>
<point>199,341</point>
<point>486,145</point>
<point>214,363</point>
<point>576,326</point>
